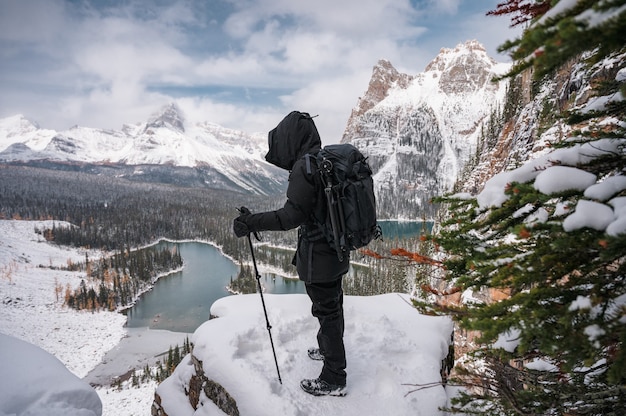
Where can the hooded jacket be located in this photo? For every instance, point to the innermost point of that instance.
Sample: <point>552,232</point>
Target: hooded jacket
<point>293,138</point>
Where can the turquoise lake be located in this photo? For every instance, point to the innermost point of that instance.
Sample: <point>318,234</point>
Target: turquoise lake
<point>181,301</point>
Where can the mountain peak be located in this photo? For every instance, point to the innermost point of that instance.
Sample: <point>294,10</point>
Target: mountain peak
<point>169,116</point>
<point>19,121</point>
<point>465,48</point>
<point>420,131</point>
<point>384,77</point>
<point>465,68</point>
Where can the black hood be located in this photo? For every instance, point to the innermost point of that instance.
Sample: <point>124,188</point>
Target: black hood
<point>295,136</point>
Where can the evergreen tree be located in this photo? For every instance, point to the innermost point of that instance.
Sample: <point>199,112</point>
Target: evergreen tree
<point>522,10</point>
<point>553,342</point>
<point>561,30</point>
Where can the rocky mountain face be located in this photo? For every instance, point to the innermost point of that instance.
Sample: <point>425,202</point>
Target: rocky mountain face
<point>163,149</point>
<point>536,124</point>
<point>419,131</point>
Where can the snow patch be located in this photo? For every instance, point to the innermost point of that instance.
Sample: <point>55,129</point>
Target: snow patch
<point>558,179</point>
<point>607,188</point>
<point>34,382</point>
<point>589,214</point>
<point>581,302</point>
<point>509,340</point>
<point>389,346</point>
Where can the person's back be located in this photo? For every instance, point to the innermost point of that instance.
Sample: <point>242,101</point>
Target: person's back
<point>316,261</point>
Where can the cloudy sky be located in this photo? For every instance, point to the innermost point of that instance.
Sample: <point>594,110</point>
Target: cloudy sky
<point>243,64</point>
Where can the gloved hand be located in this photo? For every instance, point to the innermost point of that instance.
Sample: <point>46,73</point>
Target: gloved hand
<point>240,227</point>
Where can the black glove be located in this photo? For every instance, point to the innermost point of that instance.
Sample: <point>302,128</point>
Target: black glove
<point>240,227</point>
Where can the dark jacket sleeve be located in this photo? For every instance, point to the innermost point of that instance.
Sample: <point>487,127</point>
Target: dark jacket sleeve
<point>301,197</point>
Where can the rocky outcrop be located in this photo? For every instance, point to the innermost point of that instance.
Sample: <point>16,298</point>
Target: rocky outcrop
<point>534,128</point>
<point>199,383</point>
<point>420,131</point>
<point>464,69</point>
<point>384,77</point>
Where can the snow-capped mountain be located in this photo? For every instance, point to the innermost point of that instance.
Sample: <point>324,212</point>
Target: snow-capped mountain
<point>165,145</point>
<point>419,131</point>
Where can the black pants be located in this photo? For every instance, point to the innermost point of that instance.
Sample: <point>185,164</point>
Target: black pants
<point>327,299</point>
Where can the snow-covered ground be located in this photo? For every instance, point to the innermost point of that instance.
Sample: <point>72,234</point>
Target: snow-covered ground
<point>390,348</point>
<point>32,310</point>
<point>389,345</point>
<point>33,382</point>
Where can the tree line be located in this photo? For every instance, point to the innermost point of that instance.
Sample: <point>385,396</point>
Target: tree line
<point>116,215</point>
<point>115,281</point>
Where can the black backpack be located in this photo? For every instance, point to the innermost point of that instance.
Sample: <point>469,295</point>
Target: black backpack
<point>346,176</point>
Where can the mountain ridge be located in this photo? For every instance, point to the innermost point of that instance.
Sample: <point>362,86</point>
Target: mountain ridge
<point>420,130</point>
<point>220,157</point>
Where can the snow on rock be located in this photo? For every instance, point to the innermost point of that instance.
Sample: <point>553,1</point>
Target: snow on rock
<point>419,131</point>
<point>389,347</point>
<point>34,382</point>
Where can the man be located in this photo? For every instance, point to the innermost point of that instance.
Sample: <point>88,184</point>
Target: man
<point>291,144</point>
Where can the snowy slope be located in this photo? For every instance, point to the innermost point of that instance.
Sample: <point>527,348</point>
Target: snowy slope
<point>31,309</point>
<point>40,384</point>
<point>17,129</point>
<point>389,347</point>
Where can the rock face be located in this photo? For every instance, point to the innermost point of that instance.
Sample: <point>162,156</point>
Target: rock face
<point>198,384</point>
<point>384,77</point>
<point>420,131</point>
<point>534,128</point>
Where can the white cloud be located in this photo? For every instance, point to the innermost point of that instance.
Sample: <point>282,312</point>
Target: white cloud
<point>81,63</point>
<point>366,18</point>
<point>34,22</point>
<point>333,99</point>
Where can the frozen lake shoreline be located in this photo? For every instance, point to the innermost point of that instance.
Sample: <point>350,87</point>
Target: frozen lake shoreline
<point>139,347</point>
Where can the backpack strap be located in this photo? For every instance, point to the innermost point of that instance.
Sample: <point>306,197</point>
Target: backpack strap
<point>307,159</point>
<point>311,234</point>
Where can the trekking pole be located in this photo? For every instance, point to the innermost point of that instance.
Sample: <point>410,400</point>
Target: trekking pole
<point>267,321</point>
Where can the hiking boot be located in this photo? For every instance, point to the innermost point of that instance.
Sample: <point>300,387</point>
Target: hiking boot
<point>318,387</point>
<point>315,354</point>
